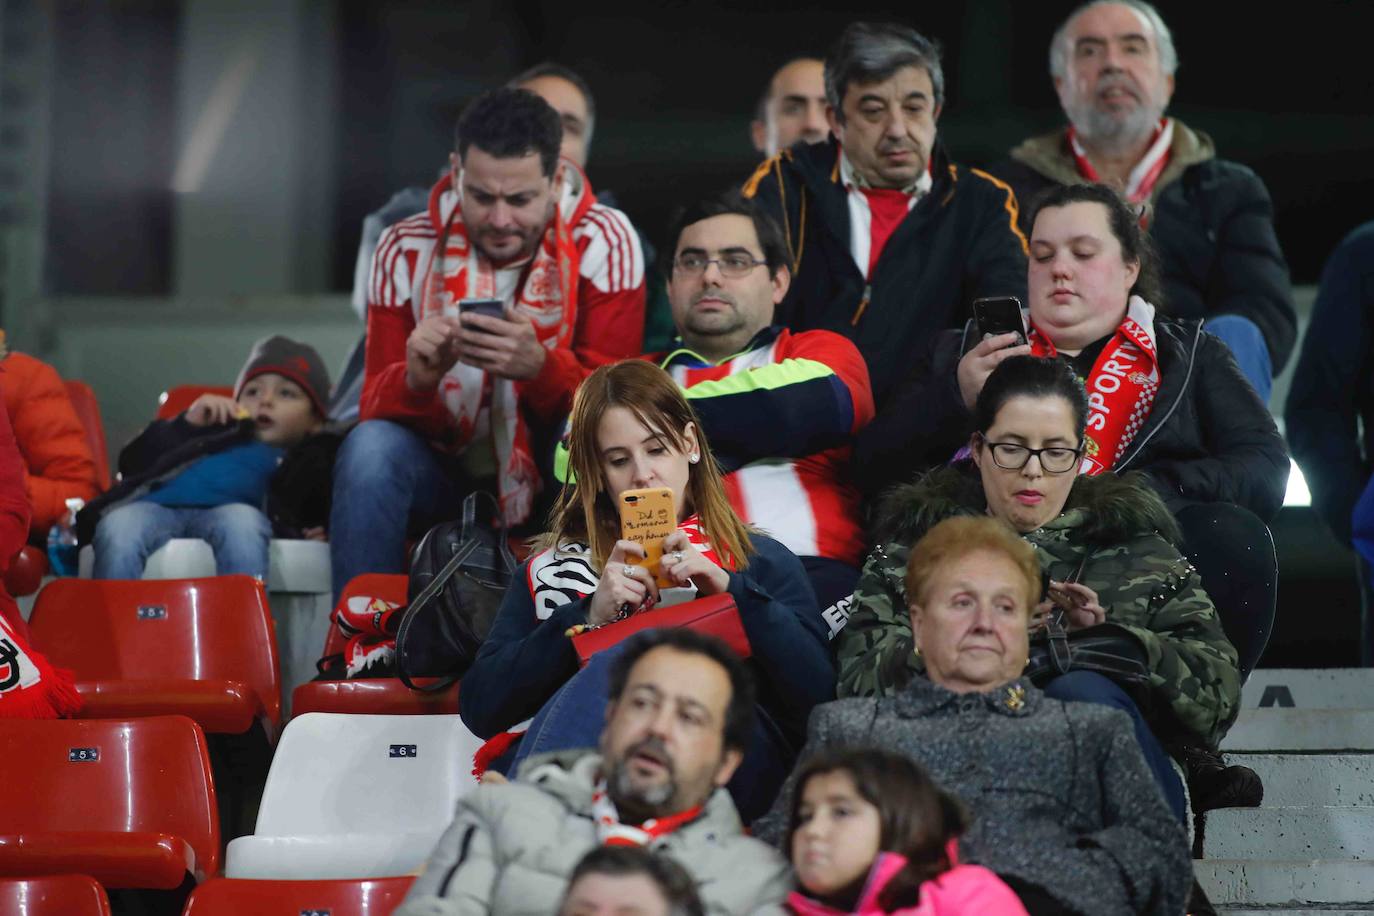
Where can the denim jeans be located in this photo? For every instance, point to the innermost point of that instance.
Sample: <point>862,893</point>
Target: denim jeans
<point>388,482</point>
<point>576,714</point>
<point>238,534</point>
<point>1091,687</point>
<point>1247,344</point>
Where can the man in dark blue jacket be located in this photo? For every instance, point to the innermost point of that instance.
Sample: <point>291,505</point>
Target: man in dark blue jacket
<point>890,240</point>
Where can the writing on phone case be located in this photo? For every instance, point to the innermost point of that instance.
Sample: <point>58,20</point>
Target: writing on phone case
<point>641,524</point>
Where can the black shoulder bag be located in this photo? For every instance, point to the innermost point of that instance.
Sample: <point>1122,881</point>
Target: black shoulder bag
<point>458,574</point>
<point>1108,649</point>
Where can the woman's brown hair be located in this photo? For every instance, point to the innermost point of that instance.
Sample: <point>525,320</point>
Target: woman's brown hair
<point>917,817</point>
<point>586,513</point>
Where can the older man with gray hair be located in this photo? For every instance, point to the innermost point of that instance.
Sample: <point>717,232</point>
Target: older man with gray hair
<point>1113,65</point>
<point>889,240</point>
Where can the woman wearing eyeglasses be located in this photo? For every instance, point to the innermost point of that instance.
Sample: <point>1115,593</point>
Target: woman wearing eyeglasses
<point>1105,542</point>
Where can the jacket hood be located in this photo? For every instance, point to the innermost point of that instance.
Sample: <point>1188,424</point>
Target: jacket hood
<point>1106,509</point>
<point>571,777</point>
<point>1049,155</point>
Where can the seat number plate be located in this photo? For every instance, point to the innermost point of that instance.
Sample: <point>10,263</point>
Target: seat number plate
<point>152,612</point>
<point>82,754</point>
<point>403,750</point>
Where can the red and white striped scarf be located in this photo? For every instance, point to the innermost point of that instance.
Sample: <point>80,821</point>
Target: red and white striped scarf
<point>1121,386</point>
<point>546,295</point>
<point>610,831</point>
<point>1141,182</point>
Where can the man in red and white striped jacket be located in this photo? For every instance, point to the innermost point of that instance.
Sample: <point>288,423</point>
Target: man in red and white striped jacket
<point>779,408</point>
<point>443,402</point>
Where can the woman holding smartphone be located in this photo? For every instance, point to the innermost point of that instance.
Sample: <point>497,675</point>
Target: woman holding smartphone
<point>632,429</point>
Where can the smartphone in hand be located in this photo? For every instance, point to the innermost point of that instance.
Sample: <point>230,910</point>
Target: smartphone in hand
<point>648,516</point>
<point>493,308</point>
<point>997,315</point>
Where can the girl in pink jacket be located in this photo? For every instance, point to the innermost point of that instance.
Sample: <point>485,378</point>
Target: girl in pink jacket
<point>870,833</point>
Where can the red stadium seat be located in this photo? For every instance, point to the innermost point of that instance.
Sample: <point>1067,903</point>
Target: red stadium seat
<point>88,412</point>
<point>375,696</point>
<point>202,648</point>
<point>344,897</point>
<point>128,802</point>
<point>54,895</point>
<point>174,400</point>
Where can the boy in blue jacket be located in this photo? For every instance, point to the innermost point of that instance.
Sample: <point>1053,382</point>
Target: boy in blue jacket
<point>207,473</point>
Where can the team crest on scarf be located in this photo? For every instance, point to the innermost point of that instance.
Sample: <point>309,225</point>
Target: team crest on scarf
<point>1121,386</point>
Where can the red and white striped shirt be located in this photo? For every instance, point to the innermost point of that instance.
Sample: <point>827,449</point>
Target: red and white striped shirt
<point>609,309</point>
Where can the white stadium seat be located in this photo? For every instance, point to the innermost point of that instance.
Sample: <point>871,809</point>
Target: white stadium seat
<point>356,797</point>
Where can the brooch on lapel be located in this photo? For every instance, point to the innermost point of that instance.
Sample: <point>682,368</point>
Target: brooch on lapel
<point>1015,699</point>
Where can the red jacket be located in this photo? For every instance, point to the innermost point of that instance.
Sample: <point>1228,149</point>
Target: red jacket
<point>57,463</point>
<point>609,310</point>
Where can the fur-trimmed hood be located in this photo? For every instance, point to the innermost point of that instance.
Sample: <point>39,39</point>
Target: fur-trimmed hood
<point>1106,509</point>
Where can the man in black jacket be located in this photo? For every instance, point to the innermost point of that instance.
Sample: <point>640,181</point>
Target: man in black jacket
<point>1113,65</point>
<point>890,241</point>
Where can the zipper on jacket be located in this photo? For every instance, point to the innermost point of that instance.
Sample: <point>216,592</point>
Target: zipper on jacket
<point>463,849</point>
<point>863,306</point>
<point>1192,358</point>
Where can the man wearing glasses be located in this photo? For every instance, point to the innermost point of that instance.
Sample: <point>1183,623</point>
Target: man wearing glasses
<point>779,408</point>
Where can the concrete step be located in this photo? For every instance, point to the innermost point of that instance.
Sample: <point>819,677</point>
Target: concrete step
<point>1309,688</point>
<point>1303,885</point>
<point>1312,779</point>
<point>1302,730</point>
<point>1313,832</point>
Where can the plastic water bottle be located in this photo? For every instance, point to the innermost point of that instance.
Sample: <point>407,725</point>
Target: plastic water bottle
<point>62,550</point>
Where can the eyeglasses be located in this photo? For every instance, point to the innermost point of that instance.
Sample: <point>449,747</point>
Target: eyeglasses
<point>734,264</point>
<point>1055,459</point>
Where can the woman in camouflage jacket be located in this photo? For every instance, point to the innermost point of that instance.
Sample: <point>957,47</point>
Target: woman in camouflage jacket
<point>1111,535</point>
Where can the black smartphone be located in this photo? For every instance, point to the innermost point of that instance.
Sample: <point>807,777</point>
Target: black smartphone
<point>997,315</point>
<point>494,308</point>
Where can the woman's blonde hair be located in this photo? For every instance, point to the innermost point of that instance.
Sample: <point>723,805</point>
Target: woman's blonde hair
<point>955,538</point>
<point>586,513</point>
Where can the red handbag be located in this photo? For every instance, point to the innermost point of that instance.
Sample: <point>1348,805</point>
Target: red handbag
<point>716,616</point>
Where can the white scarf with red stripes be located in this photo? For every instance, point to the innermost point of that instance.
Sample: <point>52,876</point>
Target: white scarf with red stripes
<point>1143,178</point>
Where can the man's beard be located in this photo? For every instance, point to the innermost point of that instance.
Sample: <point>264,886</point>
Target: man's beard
<point>634,799</point>
<point>527,248</point>
<point>1115,131</point>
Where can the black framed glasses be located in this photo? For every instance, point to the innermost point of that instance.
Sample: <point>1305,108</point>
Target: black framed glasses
<point>732,264</point>
<point>1054,459</point>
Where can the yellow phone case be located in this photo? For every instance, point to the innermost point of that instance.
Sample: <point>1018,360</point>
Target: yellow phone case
<point>647,517</point>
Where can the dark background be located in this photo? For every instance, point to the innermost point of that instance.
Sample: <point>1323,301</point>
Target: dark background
<point>675,86</point>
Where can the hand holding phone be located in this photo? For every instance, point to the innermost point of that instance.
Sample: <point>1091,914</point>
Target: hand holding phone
<point>647,517</point>
<point>1003,334</point>
<point>492,308</point>
<point>998,315</point>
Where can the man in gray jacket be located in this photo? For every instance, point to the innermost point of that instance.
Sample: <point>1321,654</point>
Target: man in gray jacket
<point>679,719</point>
